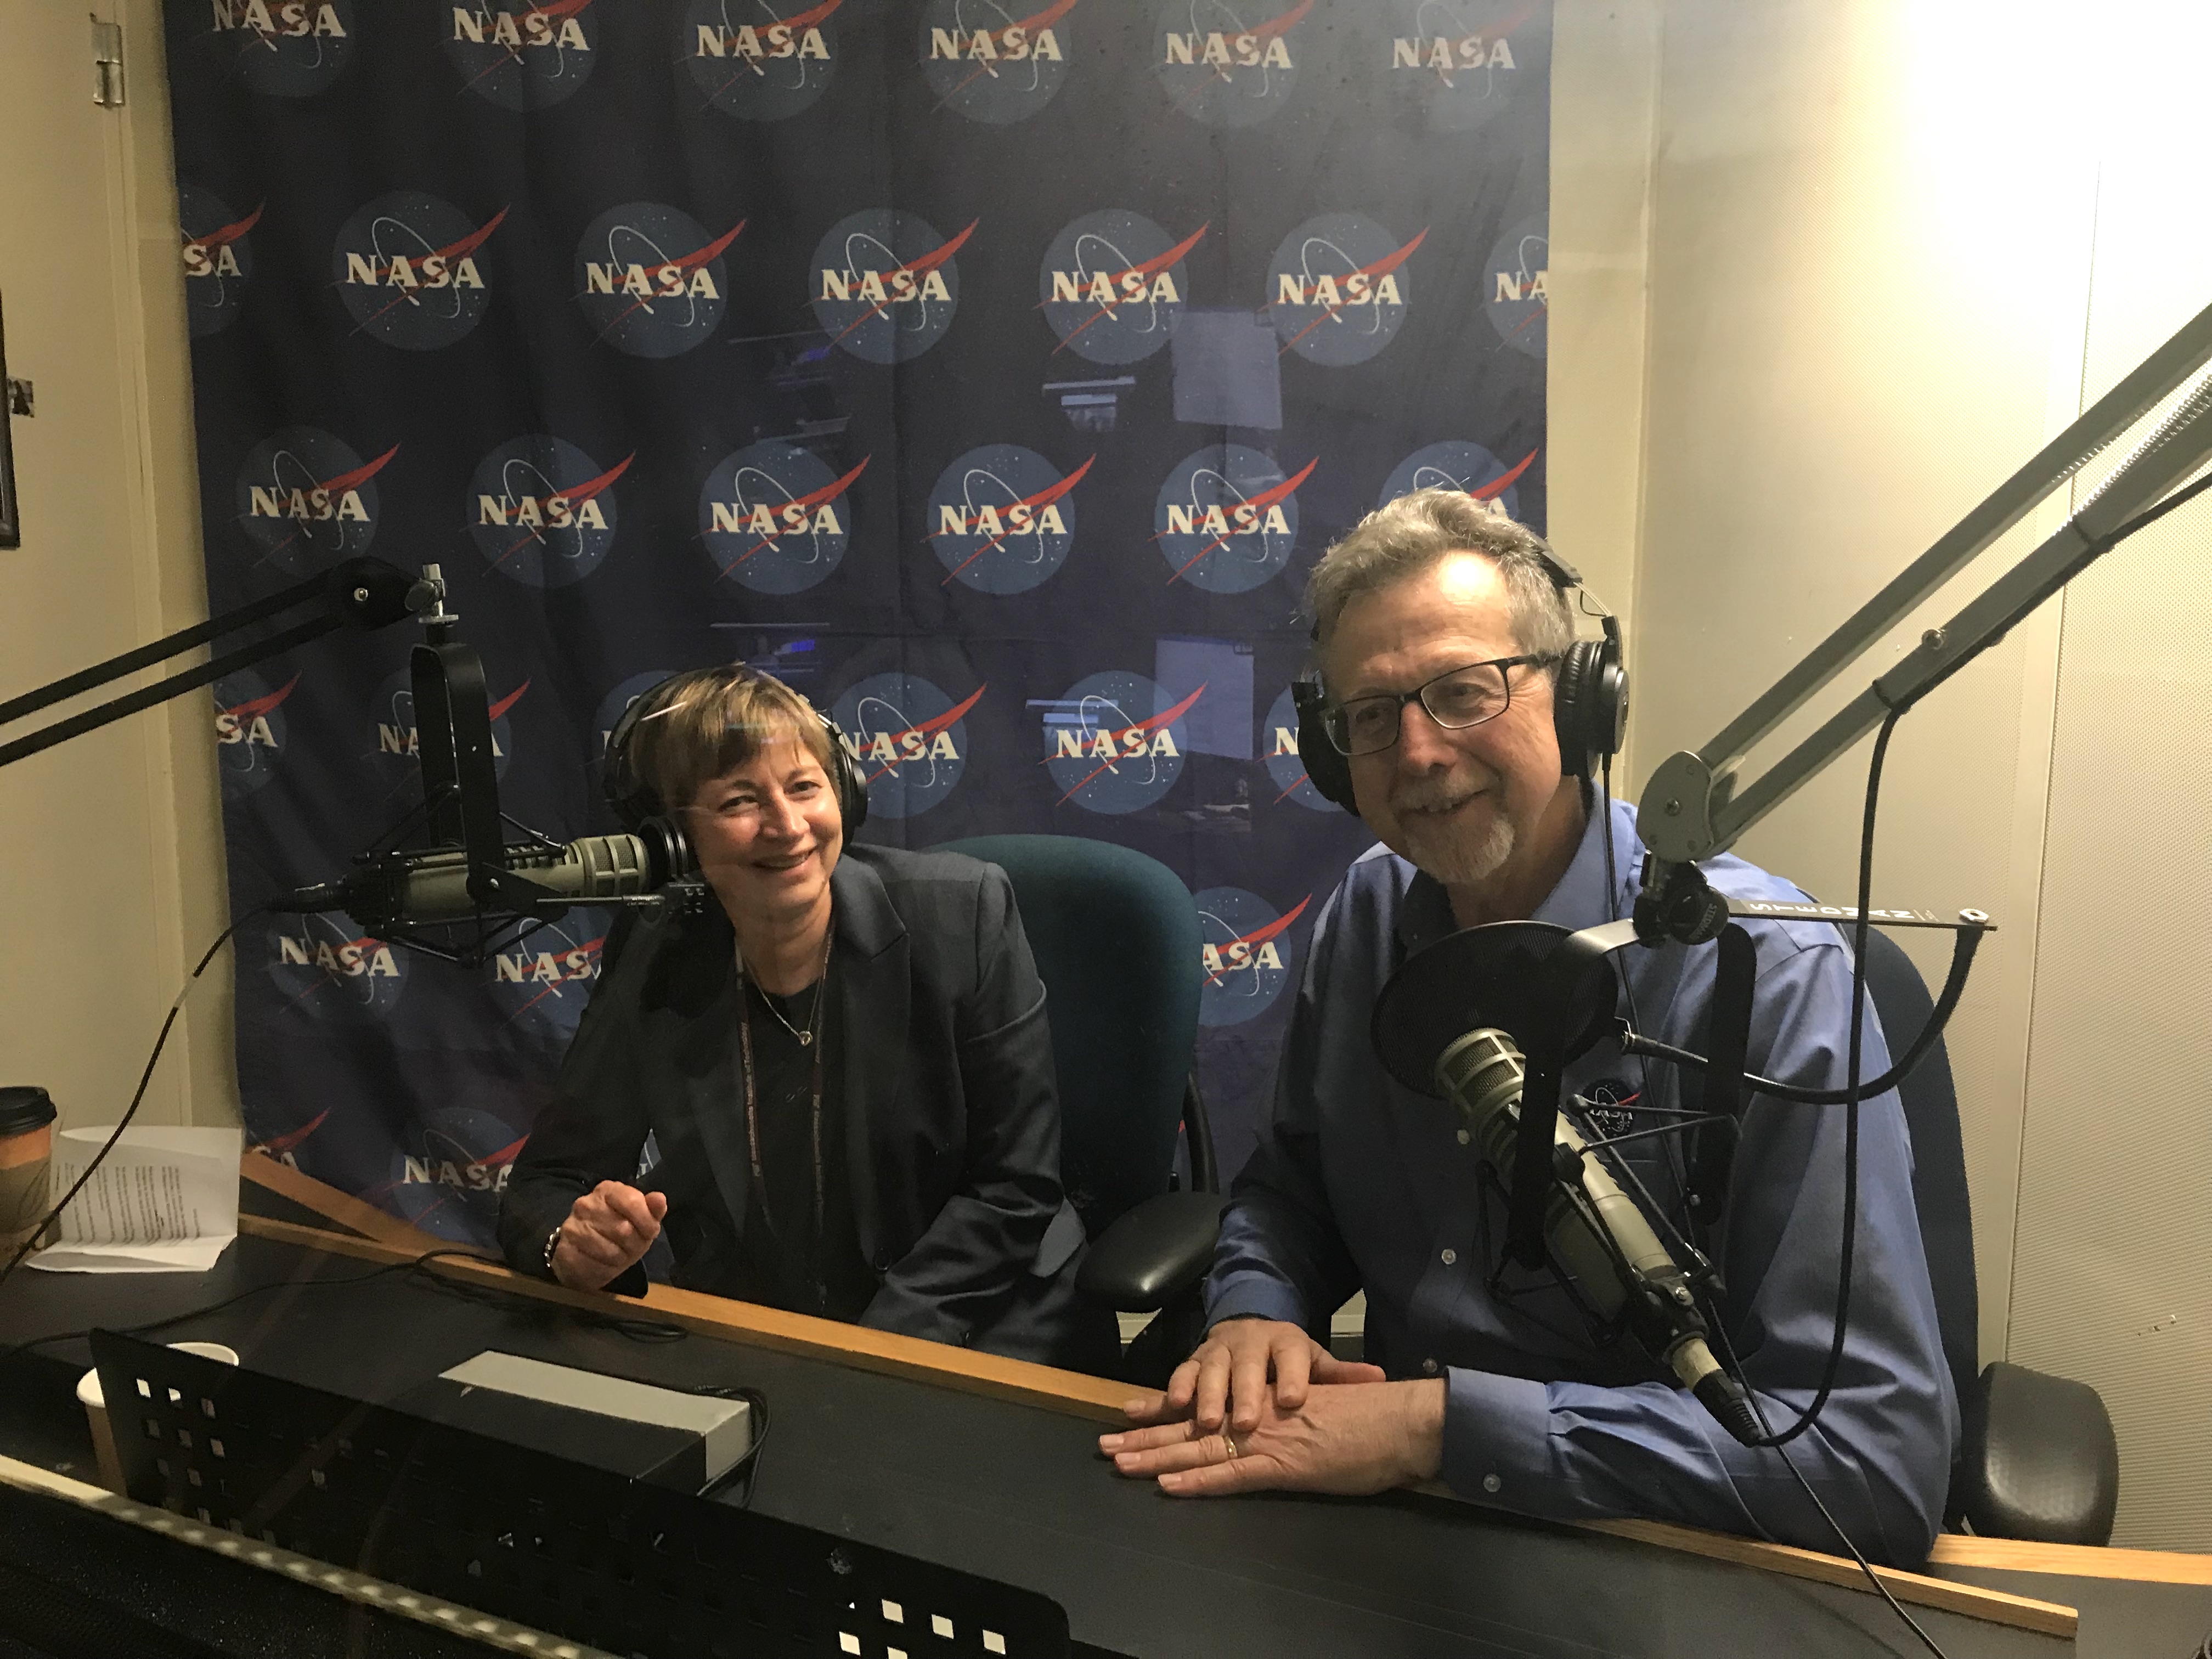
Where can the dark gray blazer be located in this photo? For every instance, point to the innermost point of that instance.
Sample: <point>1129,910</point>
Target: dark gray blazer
<point>941,1063</point>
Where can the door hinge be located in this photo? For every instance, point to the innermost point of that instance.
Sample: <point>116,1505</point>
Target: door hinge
<point>106,64</point>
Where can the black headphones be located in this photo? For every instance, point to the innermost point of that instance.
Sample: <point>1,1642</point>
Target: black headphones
<point>633,799</point>
<point>1589,704</point>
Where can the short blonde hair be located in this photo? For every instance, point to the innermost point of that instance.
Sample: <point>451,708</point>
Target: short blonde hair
<point>708,721</point>
<point>1405,536</point>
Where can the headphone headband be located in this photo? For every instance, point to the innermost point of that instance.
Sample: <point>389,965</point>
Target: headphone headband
<point>635,803</point>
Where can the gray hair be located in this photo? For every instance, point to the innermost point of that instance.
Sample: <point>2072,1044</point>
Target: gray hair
<point>1402,538</point>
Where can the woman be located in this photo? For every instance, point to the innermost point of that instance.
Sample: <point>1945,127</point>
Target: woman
<point>843,1060</point>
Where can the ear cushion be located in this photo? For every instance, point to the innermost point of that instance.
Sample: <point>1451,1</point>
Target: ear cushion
<point>633,802</point>
<point>1327,769</point>
<point>1589,705</point>
<point>845,778</point>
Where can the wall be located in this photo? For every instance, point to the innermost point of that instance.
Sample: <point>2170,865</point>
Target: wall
<point>117,882</point>
<point>1864,297</point>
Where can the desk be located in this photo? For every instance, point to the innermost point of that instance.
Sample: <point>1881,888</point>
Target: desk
<point>989,1465</point>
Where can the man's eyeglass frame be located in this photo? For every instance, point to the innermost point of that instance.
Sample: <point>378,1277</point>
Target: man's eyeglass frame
<point>1339,728</point>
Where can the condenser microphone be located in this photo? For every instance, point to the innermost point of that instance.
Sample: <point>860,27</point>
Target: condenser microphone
<point>1595,1230</point>
<point>428,888</point>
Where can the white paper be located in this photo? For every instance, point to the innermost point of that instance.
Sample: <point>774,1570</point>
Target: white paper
<point>165,1200</point>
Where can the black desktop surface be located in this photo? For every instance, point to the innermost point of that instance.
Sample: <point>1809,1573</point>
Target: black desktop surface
<point>1017,1493</point>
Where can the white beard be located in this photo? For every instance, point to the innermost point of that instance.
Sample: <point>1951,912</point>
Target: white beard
<point>1455,857</point>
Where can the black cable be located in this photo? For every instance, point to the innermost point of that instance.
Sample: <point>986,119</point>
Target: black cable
<point>1851,1086</point>
<point>749,1462</point>
<point>144,1078</point>
<point>1834,1526</point>
<point>1954,985</point>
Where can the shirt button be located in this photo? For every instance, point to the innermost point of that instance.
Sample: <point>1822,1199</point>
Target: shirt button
<point>1450,1256</point>
<point>1464,1137</point>
<point>1490,1483</point>
<point>1428,1368</point>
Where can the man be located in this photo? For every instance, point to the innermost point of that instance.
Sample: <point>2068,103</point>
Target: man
<point>1438,629</point>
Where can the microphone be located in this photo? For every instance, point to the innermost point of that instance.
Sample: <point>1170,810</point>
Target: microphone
<point>1595,1230</point>
<point>424,889</point>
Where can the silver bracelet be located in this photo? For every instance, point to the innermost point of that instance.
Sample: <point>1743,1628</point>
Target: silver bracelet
<point>552,1243</point>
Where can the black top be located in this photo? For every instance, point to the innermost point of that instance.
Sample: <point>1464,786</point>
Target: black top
<point>938,1111</point>
<point>789,1258</point>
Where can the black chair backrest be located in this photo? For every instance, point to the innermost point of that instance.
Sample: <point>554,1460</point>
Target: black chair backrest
<point>1901,1002</point>
<point>1117,943</point>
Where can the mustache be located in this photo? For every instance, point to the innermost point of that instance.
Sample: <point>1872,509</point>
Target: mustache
<point>1438,795</point>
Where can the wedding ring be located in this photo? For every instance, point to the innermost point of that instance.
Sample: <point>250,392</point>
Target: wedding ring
<point>1230,1441</point>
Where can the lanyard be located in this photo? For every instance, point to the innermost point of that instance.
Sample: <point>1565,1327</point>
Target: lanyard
<point>752,1108</point>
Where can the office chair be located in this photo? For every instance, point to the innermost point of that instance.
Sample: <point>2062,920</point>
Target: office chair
<point>2039,1460</point>
<point>1116,941</point>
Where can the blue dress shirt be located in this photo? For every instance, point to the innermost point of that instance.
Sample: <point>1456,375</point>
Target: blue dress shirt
<point>1358,1183</point>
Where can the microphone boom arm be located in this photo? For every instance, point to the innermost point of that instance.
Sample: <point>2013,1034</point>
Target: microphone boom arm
<point>1691,808</point>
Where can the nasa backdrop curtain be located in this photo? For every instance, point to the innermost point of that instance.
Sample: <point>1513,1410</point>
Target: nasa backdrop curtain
<point>993,371</point>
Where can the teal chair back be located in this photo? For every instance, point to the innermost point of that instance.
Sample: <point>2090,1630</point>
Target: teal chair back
<point>1116,941</point>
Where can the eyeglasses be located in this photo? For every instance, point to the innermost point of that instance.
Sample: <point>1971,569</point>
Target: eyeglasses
<point>1463,697</point>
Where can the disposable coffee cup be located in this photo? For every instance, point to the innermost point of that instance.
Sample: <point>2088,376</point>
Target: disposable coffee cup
<point>94,1401</point>
<point>27,1149</point>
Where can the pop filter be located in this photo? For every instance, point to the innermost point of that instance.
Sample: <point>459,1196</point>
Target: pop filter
<point>1477,977</point>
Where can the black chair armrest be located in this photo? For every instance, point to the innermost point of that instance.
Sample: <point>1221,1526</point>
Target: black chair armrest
<point>2040,1460</point>
<point>1153,1252</point>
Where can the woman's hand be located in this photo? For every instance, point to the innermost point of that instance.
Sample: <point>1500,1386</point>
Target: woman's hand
<point>1242,1365</point>
<point>608,1230</point>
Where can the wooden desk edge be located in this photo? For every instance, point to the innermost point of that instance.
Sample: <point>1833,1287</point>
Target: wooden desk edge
<point>2073,1560</point>
<point>390,1240</point>
<point>1998,1606</point>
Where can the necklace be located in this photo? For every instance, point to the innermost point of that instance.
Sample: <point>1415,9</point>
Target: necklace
<point>815,1083</point>
<point>806,1038</point>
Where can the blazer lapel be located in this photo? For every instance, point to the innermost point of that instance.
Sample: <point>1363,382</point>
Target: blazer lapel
<point>872,975</point>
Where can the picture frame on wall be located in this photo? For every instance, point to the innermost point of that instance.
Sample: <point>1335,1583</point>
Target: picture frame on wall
<point>11,530</point>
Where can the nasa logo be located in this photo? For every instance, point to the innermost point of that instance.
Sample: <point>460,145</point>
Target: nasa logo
<point>1458,58</point>
<point>287,48</point>
<point>886,285</point>
<point>1278,743</point>
<point>541,983</point>
<point>1002,520</point>
<point>1242,952</point>
<point>1218,68</point>
<point>1227,518</point>
<point>541,512</point>
<point>395,749</point>
<point>406,267</point>
<point>283,1144</point>
<point>449,1170</point>
<point>767,69</point>
<point>326,968</point>
<point>909,738</point>
<point>528,56</point>
<point>218,259</point>
<point>651,280</point>
<point>1337,293</point>
<point>307,500</point>
<point>1104,753</point>
<point>1456,464</point>
<point>991,68</point>
<point>249,730</point>
<point>1518,285</point>
<point>1608,1098</point>
<point>775,518</point>
<point>1112,284</point>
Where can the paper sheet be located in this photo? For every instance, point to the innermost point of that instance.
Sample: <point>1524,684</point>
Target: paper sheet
<point>165,1202</point>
